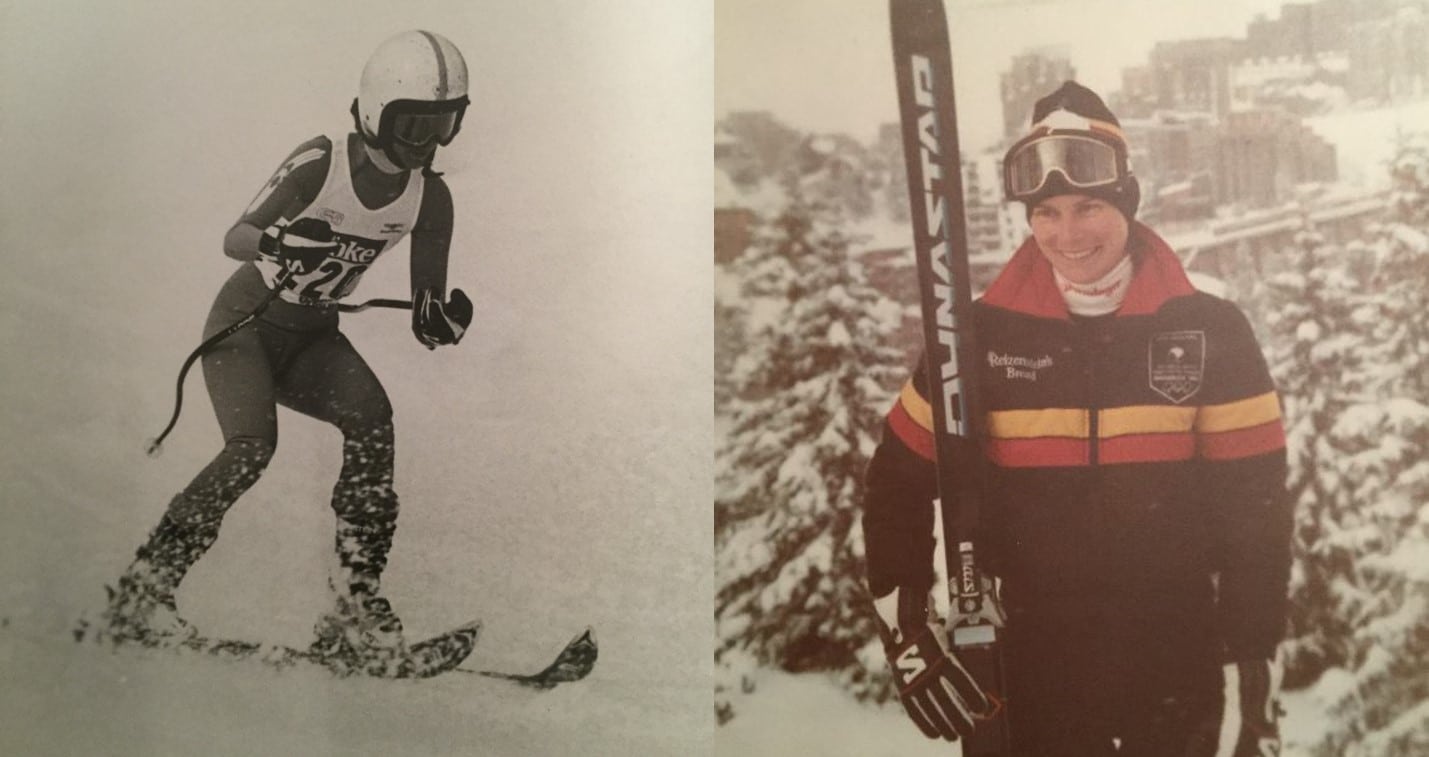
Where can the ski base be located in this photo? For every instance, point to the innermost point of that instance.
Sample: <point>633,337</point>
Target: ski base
<point>427,658</point>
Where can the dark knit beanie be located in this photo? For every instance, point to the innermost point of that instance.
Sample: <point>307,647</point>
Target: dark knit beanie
<point>1078,100</point>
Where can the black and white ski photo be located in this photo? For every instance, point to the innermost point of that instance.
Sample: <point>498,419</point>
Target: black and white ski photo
<point>457,254</point>
<point>1070,378</point>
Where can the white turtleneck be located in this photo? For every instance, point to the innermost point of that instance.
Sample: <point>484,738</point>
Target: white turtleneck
<point>1098,297</point>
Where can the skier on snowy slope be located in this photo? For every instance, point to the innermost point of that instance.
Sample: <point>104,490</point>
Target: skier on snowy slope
<point>332,208</point>
<point>1136,515</point>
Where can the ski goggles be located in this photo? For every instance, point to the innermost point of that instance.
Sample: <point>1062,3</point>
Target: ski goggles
<point>419,129</point>
<point>417,124</point>
<point>1084,161</point>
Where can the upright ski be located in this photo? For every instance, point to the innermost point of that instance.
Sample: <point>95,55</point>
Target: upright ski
<point>923,65</point>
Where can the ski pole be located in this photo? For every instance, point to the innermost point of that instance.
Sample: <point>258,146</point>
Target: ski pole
<point>377,303</point>
<point>156,444</point>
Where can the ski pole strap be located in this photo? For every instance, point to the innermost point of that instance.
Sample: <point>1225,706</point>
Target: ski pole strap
<point>157,442</point>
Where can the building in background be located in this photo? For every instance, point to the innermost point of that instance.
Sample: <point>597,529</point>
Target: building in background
<point>1173,155</point>
<point>1216,126</point>
<point>1389,56</point>
<point>1031,75</point>
<point>1263,155</point>
<point>1193,75</point>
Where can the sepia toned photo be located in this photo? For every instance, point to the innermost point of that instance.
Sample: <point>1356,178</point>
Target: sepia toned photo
<point>1069,388</point>
<point>356,378</point>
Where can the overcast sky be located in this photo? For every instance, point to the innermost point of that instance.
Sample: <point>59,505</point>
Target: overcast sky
<point>825,65</point>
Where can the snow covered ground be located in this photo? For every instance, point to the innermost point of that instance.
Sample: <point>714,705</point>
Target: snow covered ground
<point>809,714</point>
<point>553,469</point>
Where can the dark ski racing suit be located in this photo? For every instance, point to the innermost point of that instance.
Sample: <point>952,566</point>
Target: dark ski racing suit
<point>1137,514</point>
<point>294,355</point>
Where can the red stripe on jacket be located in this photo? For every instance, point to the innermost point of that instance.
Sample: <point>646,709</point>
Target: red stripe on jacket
<point>1242,443</point>
<point>913,436</point>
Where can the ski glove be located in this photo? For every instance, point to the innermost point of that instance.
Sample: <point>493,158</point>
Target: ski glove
<point>304,244</point>
<point>1252,709</point>
<point>436,323</point>
<point>935,689</point>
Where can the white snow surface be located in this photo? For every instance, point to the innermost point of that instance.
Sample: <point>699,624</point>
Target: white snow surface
<point>553,469</point>
<point>809,714</point>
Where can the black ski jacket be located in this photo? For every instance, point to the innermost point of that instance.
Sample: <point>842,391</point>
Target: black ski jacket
<point>1136,470</point>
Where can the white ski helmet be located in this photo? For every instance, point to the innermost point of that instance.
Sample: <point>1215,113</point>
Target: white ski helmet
<point>413,90</point>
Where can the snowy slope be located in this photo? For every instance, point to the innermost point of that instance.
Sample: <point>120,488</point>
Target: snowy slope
<point>809,714</point>
<point>553,469</point>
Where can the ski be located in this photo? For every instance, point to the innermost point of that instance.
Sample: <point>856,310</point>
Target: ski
<point>573,663</point>
<point>424,659</point>
<point>928,116</point>
<point>434,656</point>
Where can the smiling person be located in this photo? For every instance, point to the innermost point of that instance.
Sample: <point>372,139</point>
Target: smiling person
<point>1137,518</point>
<point>333,207</point>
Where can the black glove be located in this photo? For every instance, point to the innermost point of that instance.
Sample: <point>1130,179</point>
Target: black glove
<point>304,244</point>
<point>936,690</point>
<point>436,323</point>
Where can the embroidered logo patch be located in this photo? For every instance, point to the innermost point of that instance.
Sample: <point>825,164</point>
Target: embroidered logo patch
<point>331,216</point>
<point>1176,363</point>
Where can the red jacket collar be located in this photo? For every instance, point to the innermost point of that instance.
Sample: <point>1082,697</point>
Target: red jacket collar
<point>1026,284</point>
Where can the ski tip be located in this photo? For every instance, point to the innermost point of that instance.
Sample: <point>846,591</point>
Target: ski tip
<point>469,633</point>
<point>573,663</point>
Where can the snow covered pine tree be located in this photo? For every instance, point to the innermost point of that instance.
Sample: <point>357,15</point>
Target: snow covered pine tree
<point>1348,344</point>
<point>805,404</point>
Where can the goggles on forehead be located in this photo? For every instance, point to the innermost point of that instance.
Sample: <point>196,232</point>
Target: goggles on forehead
<point>1084,161</point>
